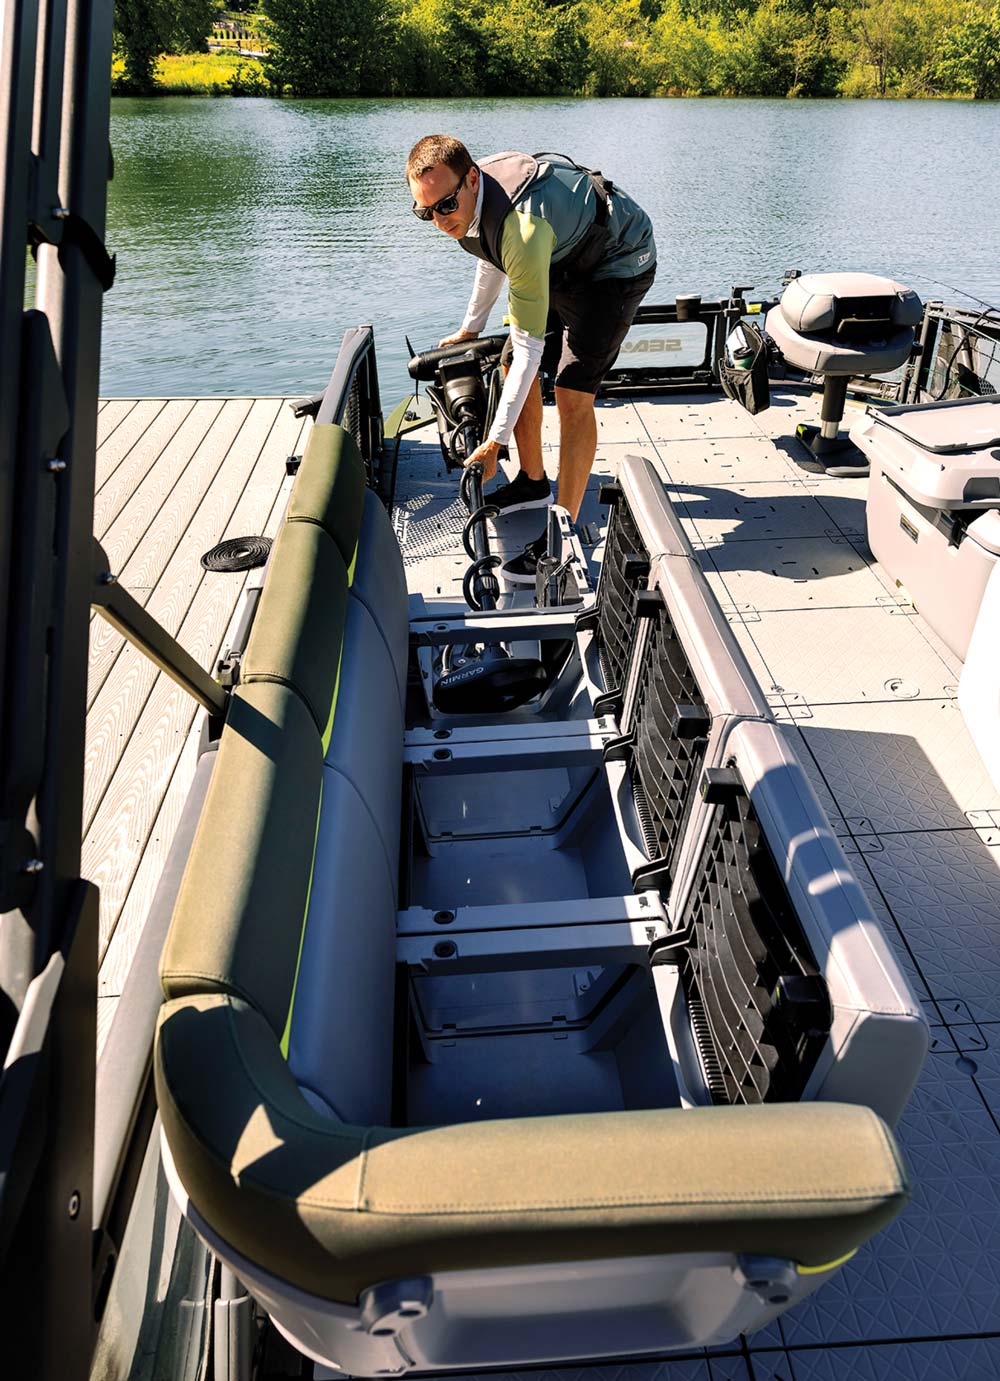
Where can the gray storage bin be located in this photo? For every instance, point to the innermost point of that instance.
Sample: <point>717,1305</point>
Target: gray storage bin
<point>933,511</point>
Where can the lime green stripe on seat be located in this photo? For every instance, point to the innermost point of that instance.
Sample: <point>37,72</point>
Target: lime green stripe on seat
<point>350,569</point>
<point>328,731</point>
<point>826,1266</point>
<point>286,1034</point>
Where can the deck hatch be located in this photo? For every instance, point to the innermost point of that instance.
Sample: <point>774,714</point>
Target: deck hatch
<point>668,739</point>
<point>761,1008</point>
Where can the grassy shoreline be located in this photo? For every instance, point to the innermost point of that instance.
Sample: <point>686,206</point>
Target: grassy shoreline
<point>228,74</point>
<point>202,74</point>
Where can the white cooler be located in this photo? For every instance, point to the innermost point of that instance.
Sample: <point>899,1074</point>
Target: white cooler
<point>934,505</point>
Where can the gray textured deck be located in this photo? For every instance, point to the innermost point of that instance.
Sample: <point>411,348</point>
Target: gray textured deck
<point>870,693</point>
<point>174,477</point>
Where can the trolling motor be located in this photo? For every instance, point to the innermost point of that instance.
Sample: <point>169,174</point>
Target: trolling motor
<point>478,678</point>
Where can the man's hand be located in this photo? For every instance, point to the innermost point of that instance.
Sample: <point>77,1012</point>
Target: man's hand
<point>486,455</point>
<point>457,337</point>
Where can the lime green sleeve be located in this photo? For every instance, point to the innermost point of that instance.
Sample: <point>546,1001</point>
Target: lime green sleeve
<point>526,251</point>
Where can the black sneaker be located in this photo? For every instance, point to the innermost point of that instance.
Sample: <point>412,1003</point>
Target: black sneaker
<point>520,570</point>
<point>521,493</point>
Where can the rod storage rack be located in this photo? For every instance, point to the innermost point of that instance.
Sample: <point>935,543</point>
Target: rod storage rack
<point>769,989</point>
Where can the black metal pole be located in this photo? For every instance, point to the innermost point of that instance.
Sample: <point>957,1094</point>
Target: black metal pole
<point>55,166</point>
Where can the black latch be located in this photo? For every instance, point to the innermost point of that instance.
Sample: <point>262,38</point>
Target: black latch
<point>635,566</point>
<point>803,1002</point>
<point>609,492</point>
<point>610,702</point>
<point>654,876</point>
<point>648,603</point>
<point>228,670</point>
<point>719,785</point>
<point>292,464</point>
<point>76,231</point>
<point>690,721</point>
<point>618,749</point>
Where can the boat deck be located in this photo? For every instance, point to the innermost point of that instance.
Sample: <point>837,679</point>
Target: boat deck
<point>869,694</point>
<point>864,686</point>
<point>174,477</point>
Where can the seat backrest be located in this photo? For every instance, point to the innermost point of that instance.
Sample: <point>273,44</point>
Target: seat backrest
<point>845,323</point>
<point>288,898</point>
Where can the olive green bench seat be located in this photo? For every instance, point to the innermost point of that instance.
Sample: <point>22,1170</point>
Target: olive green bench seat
<point>320,1218</point>
<point>382,1248</point>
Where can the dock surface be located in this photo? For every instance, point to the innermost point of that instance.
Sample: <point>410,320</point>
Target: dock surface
<point>175,476</point>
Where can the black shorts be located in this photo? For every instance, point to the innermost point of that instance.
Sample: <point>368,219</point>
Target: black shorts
<point>586,327</point>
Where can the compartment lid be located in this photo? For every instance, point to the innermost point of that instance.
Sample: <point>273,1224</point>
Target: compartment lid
<point>947,428</point>
<point>962,478</point>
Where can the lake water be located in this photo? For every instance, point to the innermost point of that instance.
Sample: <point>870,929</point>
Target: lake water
<point>251,234</point>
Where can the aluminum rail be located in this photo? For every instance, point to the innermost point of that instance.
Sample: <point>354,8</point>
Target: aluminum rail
<point>54,166</point>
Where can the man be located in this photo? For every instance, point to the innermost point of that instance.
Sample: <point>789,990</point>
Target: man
<point>579,258</point>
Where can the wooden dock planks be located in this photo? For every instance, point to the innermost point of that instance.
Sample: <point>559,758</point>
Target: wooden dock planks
<point>178,476</point>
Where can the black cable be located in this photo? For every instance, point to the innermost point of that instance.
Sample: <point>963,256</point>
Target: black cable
<point>481,570</point>
<point>487,510</point>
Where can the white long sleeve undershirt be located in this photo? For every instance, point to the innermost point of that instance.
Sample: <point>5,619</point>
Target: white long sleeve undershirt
<point>485,291</point>
<point>527,351</point>
<point>527,356</point>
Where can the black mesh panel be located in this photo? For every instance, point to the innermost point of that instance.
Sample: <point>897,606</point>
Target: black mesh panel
<point>616,596</point>
<point>669,727</point>
<point>760,1010</point>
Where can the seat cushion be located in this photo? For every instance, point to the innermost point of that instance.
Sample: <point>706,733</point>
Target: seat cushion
<point>825,355</point>
<point>333,1209</point>
<point>298,632</point>
<point>366,743</point>
<point>380,584</point>
<point>330,487</point>
<point>239,916</point>
<point>340,1041</point>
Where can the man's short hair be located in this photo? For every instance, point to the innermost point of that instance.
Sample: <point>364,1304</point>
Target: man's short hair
<point>435,149</point>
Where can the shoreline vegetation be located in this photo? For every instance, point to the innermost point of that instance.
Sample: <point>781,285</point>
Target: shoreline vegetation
<point>407,48</point>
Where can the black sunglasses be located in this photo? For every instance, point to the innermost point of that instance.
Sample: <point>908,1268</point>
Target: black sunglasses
<point>445,206</point>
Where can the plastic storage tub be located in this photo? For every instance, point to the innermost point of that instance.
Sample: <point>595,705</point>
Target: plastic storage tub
<point>933,509</point>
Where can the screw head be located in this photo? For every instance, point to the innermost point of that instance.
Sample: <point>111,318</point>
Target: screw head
<point>55,466</point>
<point>73,1207</point>
<point>33,865</point>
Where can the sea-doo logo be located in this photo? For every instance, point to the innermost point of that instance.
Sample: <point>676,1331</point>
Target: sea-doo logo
<point>656,346</point>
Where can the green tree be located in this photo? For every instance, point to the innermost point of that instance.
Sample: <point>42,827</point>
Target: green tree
<point>777,50</point>
<point>873,38</point>
<point>622,58</point>
<point>146,28</point>
<point>327,47</point>
<point>690,48</point>
<point>969,61</point>
<point>531,48</point>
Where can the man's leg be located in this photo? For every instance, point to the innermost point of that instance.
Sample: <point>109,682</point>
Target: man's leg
<point>577,446</point>
<point>528,434</point>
